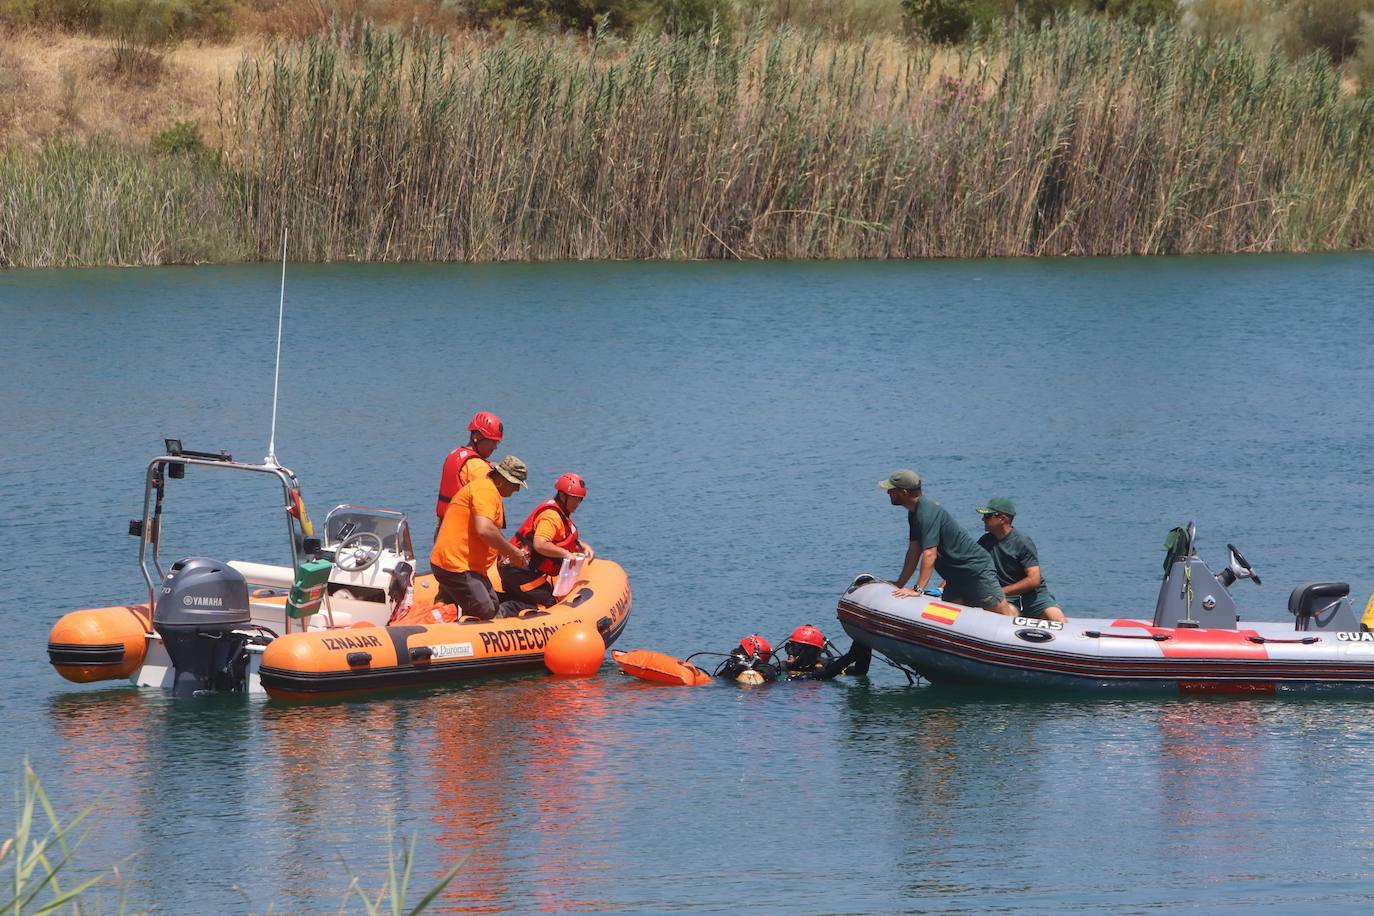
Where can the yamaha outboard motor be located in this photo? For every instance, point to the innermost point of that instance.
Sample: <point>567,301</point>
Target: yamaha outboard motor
<point>202,605</point>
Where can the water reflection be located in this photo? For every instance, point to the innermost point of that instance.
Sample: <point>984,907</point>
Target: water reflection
<point>1209,752</point>
<point>520,779</point>
<point>165,768</point>
<point>340,775</point>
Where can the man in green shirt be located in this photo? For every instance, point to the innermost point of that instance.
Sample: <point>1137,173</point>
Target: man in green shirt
<point>938,544</point>
<point>1016,561</point>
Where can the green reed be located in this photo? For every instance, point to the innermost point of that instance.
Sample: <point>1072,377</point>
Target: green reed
<point>38,859</point>
<point>76,203</point>
<point>1091,138</point>
<point>1094,137</point>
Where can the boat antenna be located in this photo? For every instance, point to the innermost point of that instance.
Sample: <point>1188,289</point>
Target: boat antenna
<point>276,376</point>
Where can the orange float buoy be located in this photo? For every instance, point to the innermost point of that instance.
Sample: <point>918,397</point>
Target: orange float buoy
<point>659,668</point>
<point>576,649</point>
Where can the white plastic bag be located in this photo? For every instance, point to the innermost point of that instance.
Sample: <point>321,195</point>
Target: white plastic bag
<point>567,575</point>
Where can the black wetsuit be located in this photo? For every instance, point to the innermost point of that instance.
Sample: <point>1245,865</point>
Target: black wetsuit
<point>736,665</point>
<point>813,671</point>
<point>856,660</point>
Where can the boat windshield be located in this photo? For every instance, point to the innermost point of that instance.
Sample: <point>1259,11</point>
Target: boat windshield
<point>391,526</point>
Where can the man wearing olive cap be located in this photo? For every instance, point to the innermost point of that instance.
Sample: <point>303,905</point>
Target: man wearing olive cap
<point>470,540</point>
<point>1016,560</point>
<point>938,544</point>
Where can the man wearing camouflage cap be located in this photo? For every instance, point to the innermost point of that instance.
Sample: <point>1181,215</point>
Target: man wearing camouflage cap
<point>470,540</point>
<point>938,544</point>
<point>1016,560</point>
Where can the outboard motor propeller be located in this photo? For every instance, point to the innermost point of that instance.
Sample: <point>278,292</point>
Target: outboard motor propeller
<point>199,610</point>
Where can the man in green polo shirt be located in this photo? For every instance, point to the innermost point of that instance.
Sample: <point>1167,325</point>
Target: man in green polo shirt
<point>1016,560</point>
<point>938,544</point>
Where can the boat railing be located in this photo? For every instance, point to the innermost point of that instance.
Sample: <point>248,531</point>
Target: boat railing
<point>172,466</point>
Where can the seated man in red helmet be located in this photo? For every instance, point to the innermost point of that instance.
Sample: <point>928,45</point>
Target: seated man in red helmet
<point>467,463</point>
<point>550,537</point>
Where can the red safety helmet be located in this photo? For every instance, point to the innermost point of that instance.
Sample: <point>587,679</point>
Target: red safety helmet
<point>572,484</point>
<point>807,635</point>
<point>487,425</point>
<point>755,645</point>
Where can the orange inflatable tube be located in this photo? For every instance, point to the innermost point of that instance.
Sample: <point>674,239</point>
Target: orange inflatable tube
<point>99,644</point>
<point>325,662</point>
<point>660,668</point>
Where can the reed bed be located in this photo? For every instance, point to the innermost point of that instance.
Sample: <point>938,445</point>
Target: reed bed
<point>1094,137</point>
<point>77,203</point>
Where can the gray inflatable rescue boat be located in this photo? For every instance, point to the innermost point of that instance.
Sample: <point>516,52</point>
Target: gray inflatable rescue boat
<point>1195,642</point>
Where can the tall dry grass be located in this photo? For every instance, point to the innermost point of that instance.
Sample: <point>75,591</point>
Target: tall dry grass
<point>1094,137</point>
<point>1091,138</point>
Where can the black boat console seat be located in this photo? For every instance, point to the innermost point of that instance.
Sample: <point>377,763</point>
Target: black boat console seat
<point>1322,606</point>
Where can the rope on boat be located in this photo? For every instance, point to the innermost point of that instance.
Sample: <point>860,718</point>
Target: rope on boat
<point>912,675</point>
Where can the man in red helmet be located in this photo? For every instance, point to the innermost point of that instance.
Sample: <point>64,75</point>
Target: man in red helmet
<point>467,463</point>
<point>550,537</point>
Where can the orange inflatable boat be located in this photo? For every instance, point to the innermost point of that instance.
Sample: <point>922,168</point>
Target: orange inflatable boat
<point>367,657</point>
<point>347,613</point>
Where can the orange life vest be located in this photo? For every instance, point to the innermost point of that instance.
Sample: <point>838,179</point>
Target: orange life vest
<point>448,478</point>
<point>524,537</point>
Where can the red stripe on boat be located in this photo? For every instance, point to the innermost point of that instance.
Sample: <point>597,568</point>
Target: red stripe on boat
<point>1188,643</point>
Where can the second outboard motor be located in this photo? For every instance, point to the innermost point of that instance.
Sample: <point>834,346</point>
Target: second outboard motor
<point>202,605</point>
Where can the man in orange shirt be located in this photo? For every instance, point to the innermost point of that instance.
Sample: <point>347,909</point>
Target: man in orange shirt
<point>470,540</point>
<point>550,537</point>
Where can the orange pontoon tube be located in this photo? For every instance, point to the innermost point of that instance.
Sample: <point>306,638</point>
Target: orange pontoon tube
<point>324,662</point>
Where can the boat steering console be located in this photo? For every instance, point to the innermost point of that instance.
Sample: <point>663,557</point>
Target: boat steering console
<point>358,551</point>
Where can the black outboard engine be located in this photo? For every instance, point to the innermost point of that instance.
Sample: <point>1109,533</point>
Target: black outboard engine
<point>202,605</point>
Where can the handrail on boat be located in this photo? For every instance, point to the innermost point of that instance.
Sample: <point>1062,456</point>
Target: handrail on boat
<point>173,465</point>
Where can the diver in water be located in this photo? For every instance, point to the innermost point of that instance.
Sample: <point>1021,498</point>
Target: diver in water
<point>805,655</point>
<point>751,662</point>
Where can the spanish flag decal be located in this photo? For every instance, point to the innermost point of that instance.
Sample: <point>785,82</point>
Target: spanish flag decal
<point>941,613</point>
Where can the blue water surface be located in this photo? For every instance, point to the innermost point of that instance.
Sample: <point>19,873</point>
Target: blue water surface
<point>732,421</point>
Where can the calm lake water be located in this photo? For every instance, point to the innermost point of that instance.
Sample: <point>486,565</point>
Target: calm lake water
<point>732,422</point>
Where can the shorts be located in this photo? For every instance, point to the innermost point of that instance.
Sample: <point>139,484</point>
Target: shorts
<point>1035,604</point>
<point>984,592</point>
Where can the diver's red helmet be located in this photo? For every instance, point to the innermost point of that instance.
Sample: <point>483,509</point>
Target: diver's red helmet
<point>487,425</point>
<point>807,635</point>
<point>756,645</point>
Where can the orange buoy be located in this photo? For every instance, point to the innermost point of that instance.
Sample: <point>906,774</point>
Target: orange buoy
<point>100,644</point>
<point>659,667</point>
<point>576,649</point>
